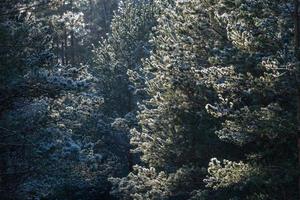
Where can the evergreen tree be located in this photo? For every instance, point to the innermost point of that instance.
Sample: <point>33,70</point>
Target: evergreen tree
<point>225,66</point>
<point>180,99</point>
<point>255,80</point>
<point>176,134</point>
<point>119,56</point>
<point>118,61</point>
<point>55,140</point>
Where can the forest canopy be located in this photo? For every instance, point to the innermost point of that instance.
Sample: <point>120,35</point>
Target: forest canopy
<point>149,99</point>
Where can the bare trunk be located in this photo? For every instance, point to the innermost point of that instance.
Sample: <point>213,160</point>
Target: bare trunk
<point>129,154</point>
<point>72,41</point>
<point>91,17</point>
<point>62,53</point>
<point>130,161</point>
<point>105,16</point>
<point>72,49</point>
<point>297,45</point>
<point>57,50</point>
<point>66,46</point>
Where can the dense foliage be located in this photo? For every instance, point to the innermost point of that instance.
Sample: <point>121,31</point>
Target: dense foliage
<point>150,99</point>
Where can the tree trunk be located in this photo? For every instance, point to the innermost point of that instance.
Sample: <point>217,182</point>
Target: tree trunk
<point>66,46</point>
<point>130,160</point>
<point>72,41</point>
<point>57,50</point>
<point>72,48</point>
<point>129,154</point>
<point>297,45</point>
<point>62,53</point>
<point>105,17</point>
<point>91,17</point>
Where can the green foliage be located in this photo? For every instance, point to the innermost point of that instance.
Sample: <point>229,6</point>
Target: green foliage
<point>228,173</point>
<point>121,53</point>
<point>175,131</point>
<point>54,136</point>
<point>148,183</point>
<point>205,91</point>
<point>227,68</point>
<point>256,96</point>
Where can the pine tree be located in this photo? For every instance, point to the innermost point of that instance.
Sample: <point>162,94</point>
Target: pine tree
<point>225,66</point>
<point>121,53</point>
<point>55,141</point>
<point>205,91</point>
<point>254,77</point>
<point>176,134</point>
